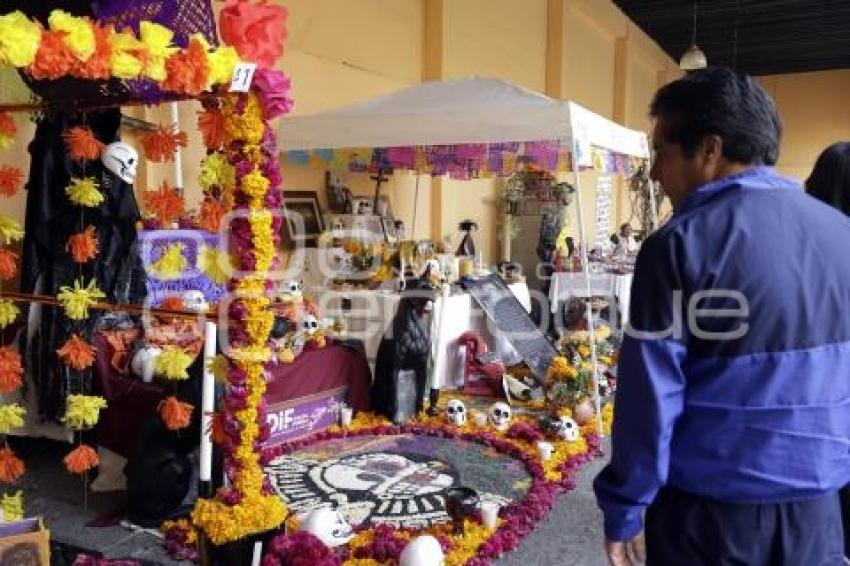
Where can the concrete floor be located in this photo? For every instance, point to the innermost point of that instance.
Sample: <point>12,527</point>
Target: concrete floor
<point>570,536</point>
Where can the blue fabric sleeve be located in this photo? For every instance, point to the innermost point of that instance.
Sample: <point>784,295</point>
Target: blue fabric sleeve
<point>650,394</point>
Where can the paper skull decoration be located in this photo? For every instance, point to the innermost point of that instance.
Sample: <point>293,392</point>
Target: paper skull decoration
<point>122,159</point>
<point>424,550</point>
<point>456,412</point>
<point>291,290</point>
<point>309,324</point>
<point>328,526</point>
<point>566,429</point>
<point>195,301</point>
<point>143,362</point>
<point>500,415</point>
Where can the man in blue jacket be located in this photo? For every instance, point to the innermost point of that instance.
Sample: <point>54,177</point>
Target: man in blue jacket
<point>733,410</point>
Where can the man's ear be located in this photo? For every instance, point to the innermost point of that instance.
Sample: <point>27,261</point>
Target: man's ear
<point>711,148</point>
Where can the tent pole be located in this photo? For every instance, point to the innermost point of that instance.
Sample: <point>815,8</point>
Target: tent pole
<point>415,207</point>
<point>594,364</point>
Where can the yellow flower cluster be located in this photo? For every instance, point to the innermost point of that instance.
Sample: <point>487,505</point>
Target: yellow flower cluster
<point>84,192</point>
<point>8,313</point>
<point>216,172</point>
<point>77,300</point>
<point>262,238</point>
<point>83,411</point>
<point>11,417</point>
<point>19,39</point>
<point>560,369</point>
<point>173,364</point>
<point>215,263</point>
<point>184,525</point>
<point>12,505</point>
<point>255,185</point>
<point>171,264</point>
<point>10,229</point>
<point>247,126</point>
<point>218,366</point>
<point>79,36</point>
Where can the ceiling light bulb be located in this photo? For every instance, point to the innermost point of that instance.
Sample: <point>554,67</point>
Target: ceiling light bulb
<point>693,59</point>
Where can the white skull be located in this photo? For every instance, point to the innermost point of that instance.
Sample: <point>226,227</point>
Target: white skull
<point>456,412</point>
<point>328,526</point>
<point>566,429</point>
<point>291,289</point>
<point>309,324</point>
<point>500,415</point>
<point>195,301</point>
<point>122,159</point>
<point>143,362</point>
<point>424,550</point>
<point>387,476</point>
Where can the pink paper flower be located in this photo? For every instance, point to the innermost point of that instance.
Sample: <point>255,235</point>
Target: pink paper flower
<point>256,30</point>
<point>272,87</point>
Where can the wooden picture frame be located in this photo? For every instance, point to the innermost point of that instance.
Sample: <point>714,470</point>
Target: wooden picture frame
<point>303,222</point>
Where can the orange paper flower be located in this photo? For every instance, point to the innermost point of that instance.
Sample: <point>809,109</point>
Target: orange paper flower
<point>175,414</point>
<point>81,459</point>
<point>211,122</point>
<point>210,215</point>
<point>7,125</point>
<point>217,433</point>
<point>188,70</point>
<point>8,265</point>
<point>99,65</point>
<point>82,145</point>
<point>11,467</point>
<point>10,180</point>
<point>166,203</point>
<point>76,353</point>
<point>54,58</point>
<point>11,370</point>
<point>83,246</point>
<point>160,144</point>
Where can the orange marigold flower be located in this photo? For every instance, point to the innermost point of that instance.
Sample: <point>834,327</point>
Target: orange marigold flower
<point>83,245</point>
<point>175,414</point>
<point>8,264</point>
<point>7,125</point>
<point>188,70</point>
<point>82,145</point>
<point>166,203</point>
<point>11,370</point>
<point>76,353</point>
<point>81,459</point>
<point>54,58</point>
<point>160,144</point>
<point>11,467</point>
<point>210,215</point>
<point>10,180</point>
<point>211,122</point>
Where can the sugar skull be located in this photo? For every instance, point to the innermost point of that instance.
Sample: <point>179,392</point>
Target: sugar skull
<point>328,526</point>
<point>310,324</point>
<point>387,476</point>
<point>195,301</point>
<point>122,159</point>
<point>424,550</point>
<point>500,415</point>
<point>142,363</point>
<point>291,290</point>
<point>566,429</point>
<point>456,412</point>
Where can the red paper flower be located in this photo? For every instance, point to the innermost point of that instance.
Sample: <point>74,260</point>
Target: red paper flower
<point>8,264</point>
<point>211,122</point>
<point>256,30</point>
<point>99,65</point>
<point>187,71</point>
<point>166,203</point>
<point>83,246</point>
<point>175,414</point>
<point>160,144</point>
<point>11,370</point>
<point>76,353</point>
<point>54,58</point>
<point>7,125</point>
<point>82,144</point>
<point>81,459</point>
<point>210,215</point>
<point>10,180</point>
<point>11,467</point>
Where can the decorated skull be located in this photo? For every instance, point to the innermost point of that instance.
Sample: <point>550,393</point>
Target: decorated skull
<point>291,290</point>
<point>566,429</point>
<point>424,550</point>
<point>195,301</point>
<point>387,476</point>
<point>122,159</point>
<point>142,363</point>
<point>456,412</point>
<point>328,526</point>
<point>310,324</point>
<point>500,415</point>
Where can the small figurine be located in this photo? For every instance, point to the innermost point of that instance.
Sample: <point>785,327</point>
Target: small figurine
<point>467,244</point>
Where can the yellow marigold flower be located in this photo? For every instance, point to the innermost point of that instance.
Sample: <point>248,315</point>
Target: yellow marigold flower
<point>83,411</point>
<point>77,300</point>
<point>79,36</point>
<point>171,263</point>
<point>255,185</point>
<point>83,192</point>
<point>216,171</point>
<point>11,417</point>
<point>8,313</point>
<point>10,229</point>
<point>173,363</point>
<point>157,40</point>
<point>19,39</point>
<point>222,61</point>
<point>124,64</point>
<point>215,263</point>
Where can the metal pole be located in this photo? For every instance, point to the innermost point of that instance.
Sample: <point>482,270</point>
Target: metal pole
<point>415,207</point>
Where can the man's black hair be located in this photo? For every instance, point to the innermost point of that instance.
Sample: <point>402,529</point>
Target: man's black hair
<point>719,101</point>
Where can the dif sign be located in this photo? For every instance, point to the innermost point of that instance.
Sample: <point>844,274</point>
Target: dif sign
<point>295,418</point>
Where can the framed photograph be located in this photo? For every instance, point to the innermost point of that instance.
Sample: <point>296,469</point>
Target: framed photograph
<point>303,223</point>
<point>388,225</point>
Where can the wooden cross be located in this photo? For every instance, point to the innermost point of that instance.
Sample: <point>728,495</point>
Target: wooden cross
<point>380,178</point>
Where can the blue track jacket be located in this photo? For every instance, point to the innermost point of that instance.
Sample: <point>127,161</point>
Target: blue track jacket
<point>735,406</point>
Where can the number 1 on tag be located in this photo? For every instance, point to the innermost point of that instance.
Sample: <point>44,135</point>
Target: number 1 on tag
<point>243,74</point>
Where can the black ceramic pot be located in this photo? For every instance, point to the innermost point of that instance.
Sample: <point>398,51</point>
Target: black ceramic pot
<point>461,503</point>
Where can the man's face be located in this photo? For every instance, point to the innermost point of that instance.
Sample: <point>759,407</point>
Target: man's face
<point>678,174</point>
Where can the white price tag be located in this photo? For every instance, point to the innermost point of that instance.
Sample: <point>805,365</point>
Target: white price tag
<point>243,74</point>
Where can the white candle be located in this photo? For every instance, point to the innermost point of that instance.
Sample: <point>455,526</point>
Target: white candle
<point>490,514</point>
<point>545,449</point>
<point>345,415</point>
<point>258,553</point>
<point>437,377</point>
<point>207,402</point>
<point>480,419</point>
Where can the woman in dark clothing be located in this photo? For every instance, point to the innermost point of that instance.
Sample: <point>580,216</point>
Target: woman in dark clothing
<point>830,182</point>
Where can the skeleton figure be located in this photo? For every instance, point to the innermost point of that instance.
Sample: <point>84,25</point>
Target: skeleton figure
<point>328,526</point>
<point>456,412</point>
<point>122,159</point>
<point>424,550</point>
<point>291,291</point>
<point>500,415</point>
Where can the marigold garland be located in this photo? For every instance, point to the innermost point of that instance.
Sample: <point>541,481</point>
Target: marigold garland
<point>78,35</point>
<point>76,353</point>
<point>10,229</point>
<point>173,364</point>
<point>10,180</point>
<point>11,417</point>
<point>11,467</point>
<point>76,300</point>
<point>84,192</point>
<point>8,313</point>
<point>83,246</point>
<point>11,370</point>
<point>81,459</point>
<point>161,144</point>
<point>166,203</point>
<point>83,411</point>
<point>175,414</point>
<point>82,144</point>
<point>99,65</point>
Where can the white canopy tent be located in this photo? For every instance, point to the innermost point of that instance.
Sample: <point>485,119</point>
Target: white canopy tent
<point>466,111</point>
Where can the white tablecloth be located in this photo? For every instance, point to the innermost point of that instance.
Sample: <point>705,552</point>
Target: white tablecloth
<point>371,313</point>
<point>568,284</point>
